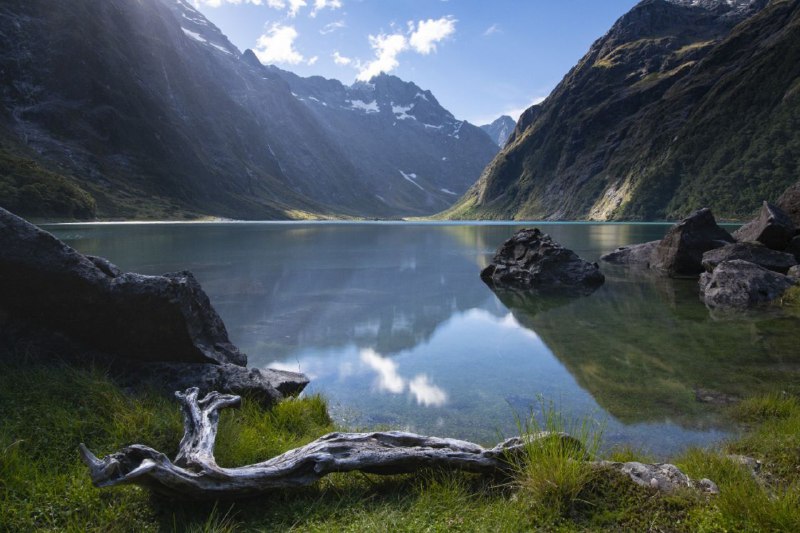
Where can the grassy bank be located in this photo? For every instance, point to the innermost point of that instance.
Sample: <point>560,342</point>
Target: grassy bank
<point>45,411</point>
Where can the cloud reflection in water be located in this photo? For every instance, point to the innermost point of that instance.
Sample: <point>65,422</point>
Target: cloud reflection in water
<point>389,380</point>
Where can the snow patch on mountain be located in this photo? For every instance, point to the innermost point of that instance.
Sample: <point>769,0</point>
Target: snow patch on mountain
<point>410,178</point>
<point>371,107</point>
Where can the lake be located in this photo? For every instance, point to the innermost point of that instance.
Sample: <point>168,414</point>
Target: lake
<point>395,328</point>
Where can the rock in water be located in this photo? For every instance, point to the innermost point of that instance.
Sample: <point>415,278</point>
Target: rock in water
<point>789,202</point>
<point>145,318</point>
<point>739,285</point>
<point>532,260</point>
<point>633,255</point>
<point>680,252</point>
<point>773,228</point>
<point>753,252</point>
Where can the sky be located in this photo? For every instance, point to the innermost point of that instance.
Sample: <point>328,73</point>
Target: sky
<point>480,58</point>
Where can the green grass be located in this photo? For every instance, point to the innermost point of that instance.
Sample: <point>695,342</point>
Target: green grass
<point>28,189</point>
<point>46,410</point>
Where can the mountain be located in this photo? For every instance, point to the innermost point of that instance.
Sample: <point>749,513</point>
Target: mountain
<point>145,110</point>
<point>500,130</point>
<point>407,149</point>
<point>682,104</point>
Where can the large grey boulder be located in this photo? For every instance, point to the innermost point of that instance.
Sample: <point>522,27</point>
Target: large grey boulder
<point>752,252</point>
<point>532,260</point>
<point>740,285</point>
<point>633,255</point>
<point>789,203</point>
<point>680,252</point>
<point>772,227</point>
<point>268,386</point>
<point>145,318</point>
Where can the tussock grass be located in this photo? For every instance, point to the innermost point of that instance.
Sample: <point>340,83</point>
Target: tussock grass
<point>553,473</point>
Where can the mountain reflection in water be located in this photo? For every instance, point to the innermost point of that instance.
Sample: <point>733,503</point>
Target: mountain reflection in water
<point>394,326</point>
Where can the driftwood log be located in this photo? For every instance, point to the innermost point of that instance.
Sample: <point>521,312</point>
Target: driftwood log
<point>195,474</point>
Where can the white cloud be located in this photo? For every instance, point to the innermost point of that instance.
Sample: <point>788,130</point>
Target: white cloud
<point>420,37</point>
<point>277,46</point>
<point>312,60</point>
<point>493,29</point>
<point>387,48</point>
<point>217,3</point>
<point>429,32</point>
<point>293,6</point>
<point>332,27</point>
<point>339,59</point>
<point>319,5</point>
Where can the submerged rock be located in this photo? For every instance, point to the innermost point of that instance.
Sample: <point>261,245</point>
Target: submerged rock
<point>532,260</point>
<point>633,255</point>
<point>740,285</point>
<point>773,228</point>
<point>753,252</point>
<point>145,318</point>
<point>680,252</point>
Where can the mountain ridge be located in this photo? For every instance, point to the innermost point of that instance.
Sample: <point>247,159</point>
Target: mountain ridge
<point>146,110</point>
<point>664,114</point>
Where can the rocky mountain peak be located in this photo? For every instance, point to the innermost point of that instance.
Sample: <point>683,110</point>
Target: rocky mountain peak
<point>500,130</point>
<point>199,29</point>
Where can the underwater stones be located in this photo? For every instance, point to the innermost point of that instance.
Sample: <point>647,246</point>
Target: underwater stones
<point>680,252</point>
<point>530,259</point>
<point>772,227</point>
<point>753,252</point>
<point>740,285</point>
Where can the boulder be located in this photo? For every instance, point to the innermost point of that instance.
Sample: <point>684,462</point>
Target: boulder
<point>789,202</point>
<point>772,227</point>
<point>634,255</point>
<point>680,252</point>
<point>794,248</point>
<point>145,318</point>
<point>268,386</point>
<point>532,260</point>
<point>794,272</point>
<point>739,285</point>
<point>753,252</point>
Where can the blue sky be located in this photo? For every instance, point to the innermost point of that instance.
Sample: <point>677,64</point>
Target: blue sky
<point>481,58</point>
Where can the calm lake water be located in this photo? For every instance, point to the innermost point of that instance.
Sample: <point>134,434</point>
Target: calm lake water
<point>394,326</point>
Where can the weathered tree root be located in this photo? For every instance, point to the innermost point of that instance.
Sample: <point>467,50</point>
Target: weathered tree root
<point>195,474</point>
